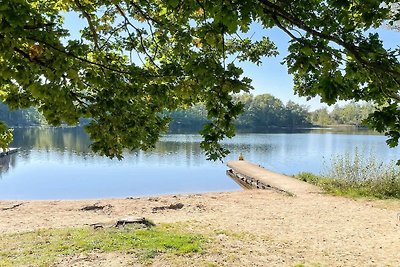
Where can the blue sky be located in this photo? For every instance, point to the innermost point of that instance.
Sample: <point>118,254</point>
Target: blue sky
<point>271,76</point>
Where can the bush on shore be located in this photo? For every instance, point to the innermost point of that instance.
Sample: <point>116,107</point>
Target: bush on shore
<point>358,177</point>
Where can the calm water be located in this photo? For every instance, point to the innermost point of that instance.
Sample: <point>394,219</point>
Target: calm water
<point>57,163</point>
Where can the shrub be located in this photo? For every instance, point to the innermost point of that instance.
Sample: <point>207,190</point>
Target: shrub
<point>358,176</point>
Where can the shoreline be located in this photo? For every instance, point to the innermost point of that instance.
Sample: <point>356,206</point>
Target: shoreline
<point>277,229</point>
<point>122,197</point>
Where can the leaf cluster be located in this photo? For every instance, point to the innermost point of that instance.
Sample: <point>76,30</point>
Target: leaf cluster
<point>134,60</point>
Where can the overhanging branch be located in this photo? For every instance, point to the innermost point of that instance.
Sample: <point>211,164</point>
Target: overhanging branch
<point>90,22</point>
<point>273,9</point>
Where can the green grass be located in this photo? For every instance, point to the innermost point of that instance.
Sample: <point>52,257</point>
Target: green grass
<point>354,176</point>
<point>43,247</point>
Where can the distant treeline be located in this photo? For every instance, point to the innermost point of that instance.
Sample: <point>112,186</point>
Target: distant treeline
<point>21,117</point>
<point>261,113</point>
<point>350,114</point>
<point>266,112</point>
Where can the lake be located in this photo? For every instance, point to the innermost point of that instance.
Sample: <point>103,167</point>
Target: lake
<point>56,163</point>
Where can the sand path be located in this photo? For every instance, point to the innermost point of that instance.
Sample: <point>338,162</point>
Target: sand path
<point>285,230</point>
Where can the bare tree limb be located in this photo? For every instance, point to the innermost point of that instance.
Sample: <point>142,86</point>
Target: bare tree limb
<point>90,22</point>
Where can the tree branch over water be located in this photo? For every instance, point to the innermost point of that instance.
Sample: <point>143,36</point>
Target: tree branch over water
<point>184,47</point>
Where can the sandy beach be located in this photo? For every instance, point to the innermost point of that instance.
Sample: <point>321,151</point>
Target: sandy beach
<point>274,229</point>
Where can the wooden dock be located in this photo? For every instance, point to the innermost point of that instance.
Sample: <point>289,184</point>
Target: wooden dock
<point>249,175</point>
<point>10,151</point>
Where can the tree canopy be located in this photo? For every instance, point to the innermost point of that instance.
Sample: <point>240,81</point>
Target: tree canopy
<point>136,59</point>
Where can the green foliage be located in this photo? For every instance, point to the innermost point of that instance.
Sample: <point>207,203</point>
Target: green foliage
<point>309,178</point>
<point>260,113</point>
<point>43,247</point>
<point>188,120</point>
<point>358,177</point>
<point>6,136</point>
<point>395,14</point>
<point>187,51</point>
<point>264,112</point>
<point>321,117</point>
<point>352,113</point>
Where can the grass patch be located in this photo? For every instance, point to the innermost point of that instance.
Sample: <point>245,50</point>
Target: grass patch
<point>43,247</point>
<point>354,176</point>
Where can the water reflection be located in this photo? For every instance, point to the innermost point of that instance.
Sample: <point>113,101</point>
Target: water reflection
<point>7,162</point>
<point>279,151</point>
<point>57,163</point>
<point>73,140</point>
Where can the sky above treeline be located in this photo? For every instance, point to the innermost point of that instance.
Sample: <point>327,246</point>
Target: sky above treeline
<point>271,76</point>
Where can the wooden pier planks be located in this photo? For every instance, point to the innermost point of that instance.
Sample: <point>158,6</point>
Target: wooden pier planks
<point>252,173</point>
